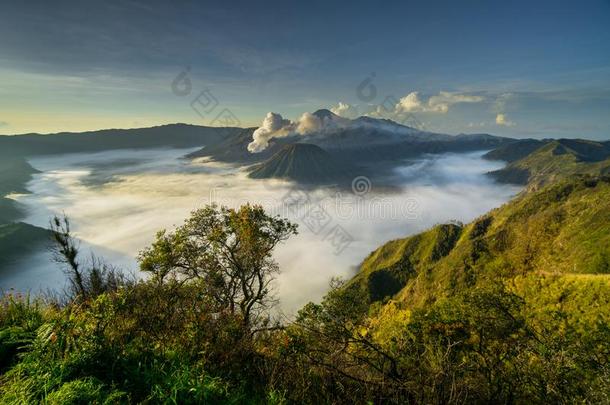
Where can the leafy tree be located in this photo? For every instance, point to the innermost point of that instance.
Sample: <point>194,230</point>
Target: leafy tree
<point>229,251</point>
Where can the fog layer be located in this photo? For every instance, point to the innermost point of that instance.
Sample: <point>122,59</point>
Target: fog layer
<point>117,201</point>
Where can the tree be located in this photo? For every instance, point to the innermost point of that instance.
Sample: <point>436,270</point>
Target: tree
<point>86,279</point>
<point>228,251</point>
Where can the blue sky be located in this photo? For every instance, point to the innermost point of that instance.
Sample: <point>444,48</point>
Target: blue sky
<point>510,68</point>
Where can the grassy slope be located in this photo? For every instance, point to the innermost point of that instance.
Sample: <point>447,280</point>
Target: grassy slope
<point>388,269</point>
<point>552,246</point>
<point>556,160</point>
<point>515,150</point>
<point>584,298</point>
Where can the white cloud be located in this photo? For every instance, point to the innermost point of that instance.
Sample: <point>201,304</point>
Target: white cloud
<point>440,103</point>
<point>309,123</point>
<point>503,121</point>
<point>345,110</point>
<point>410,103</point>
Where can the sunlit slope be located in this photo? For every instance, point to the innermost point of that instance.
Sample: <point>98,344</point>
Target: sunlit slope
<point>516,150</point>
<point>583,299</point>
<point>556,160</point>
<point>561,229</point>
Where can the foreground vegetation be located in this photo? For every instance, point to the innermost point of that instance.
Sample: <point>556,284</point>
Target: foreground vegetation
<point>511,308</point>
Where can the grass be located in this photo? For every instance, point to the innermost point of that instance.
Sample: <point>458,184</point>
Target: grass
<point>561,229</point>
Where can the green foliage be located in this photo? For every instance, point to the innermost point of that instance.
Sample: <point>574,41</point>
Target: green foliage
<point>388,269</point>
<point>227,251</point>
<point>556,160</point>
<point>562,228</point>
<point>512,308</point>
<point>515,150</point>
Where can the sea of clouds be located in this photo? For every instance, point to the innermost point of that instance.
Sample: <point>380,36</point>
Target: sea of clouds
<point>118,200</point>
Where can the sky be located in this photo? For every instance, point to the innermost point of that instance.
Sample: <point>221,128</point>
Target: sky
<point>522,69</point>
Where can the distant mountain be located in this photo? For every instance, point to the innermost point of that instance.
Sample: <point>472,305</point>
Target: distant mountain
<point>363,140</point>
<point>304,163</point>
<point>9,211</point>
<point>556,160</point>
<point>172,135</point>
<point>482,139</point>
<point>365,132</point>
<point>325,114</point>
<point>20,239</point>
<point>516,150</point>
<point>234,149</point>
<point>14,173</point>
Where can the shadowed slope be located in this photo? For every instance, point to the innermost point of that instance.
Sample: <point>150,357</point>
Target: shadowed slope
<point>304,163</point>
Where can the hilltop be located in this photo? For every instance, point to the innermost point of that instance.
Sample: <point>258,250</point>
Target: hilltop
<point>515,150</point>
<point>304,163</point>
<point>554,160</point>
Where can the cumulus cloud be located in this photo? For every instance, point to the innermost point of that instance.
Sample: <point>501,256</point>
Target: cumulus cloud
<point>440,103</point>
<point>410,103</point>
<point>502,120</point>
<point>345,110</point>
<point>309,123</point>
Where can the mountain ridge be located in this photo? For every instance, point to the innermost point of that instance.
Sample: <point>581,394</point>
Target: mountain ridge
<point>556,159</point>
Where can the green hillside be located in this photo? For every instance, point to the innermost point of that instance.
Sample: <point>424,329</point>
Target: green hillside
<point>388,269</point>
<point>561,229</point>
<point>512,308</point>
<point>557,160</point>
<point>515,150</point>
